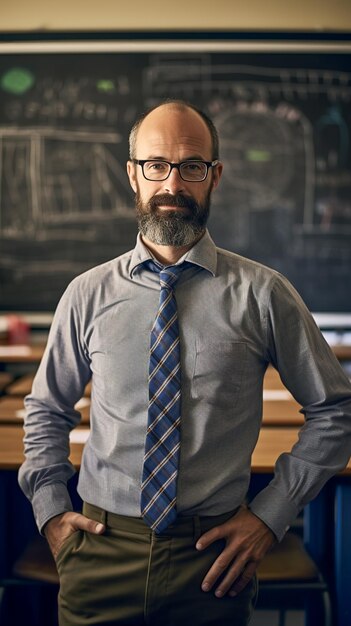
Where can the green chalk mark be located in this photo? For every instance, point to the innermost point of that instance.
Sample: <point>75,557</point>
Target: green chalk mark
<point>258,156</point>
<point>17,80</point>
<point>105,85</point>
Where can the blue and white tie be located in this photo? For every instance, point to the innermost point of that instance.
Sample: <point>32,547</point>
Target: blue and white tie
<point>158,490</point>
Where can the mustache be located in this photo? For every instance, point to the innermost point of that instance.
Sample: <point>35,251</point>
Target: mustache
<point>176,200</point>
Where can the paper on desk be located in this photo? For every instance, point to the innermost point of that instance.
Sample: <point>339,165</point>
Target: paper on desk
<point>276,394</point>
<point>6,351</point>
<point>79,435</point>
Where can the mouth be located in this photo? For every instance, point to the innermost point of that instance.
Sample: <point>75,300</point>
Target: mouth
<point>171,207</point>
<point>177,204</point>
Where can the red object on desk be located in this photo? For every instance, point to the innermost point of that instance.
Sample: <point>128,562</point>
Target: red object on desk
<point>17,330</point>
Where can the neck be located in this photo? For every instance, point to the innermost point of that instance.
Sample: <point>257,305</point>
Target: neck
<point>168,255</point>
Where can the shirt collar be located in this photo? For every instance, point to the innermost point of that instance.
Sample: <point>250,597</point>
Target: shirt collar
<point>203,254</point>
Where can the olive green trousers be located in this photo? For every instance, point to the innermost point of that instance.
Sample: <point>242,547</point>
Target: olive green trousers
<point>129,576</point>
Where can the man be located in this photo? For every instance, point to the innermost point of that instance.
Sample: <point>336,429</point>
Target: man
<point>186,549</point>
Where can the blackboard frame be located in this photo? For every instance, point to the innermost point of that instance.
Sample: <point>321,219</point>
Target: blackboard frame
<point>322,36</point>
<point>306,42</point>
<point>282,40</point>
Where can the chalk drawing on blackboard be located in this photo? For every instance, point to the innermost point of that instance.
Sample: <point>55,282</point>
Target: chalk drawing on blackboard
<point>56,176</point>
<point>267,153</point>
<point>333,139</point>
<point>170,74</point>
<point>274,155</point>
<point>284,199</point>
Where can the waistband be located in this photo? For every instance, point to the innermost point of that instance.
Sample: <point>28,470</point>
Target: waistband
<point>184,526</point>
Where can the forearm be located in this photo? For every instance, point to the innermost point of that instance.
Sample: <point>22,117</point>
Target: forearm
<point>50,413</point>
<point>43,476</point>
<point>313,375</point>
<point>323,449</point>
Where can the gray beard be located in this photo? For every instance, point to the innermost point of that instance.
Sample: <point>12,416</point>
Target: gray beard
<point>172,228</point>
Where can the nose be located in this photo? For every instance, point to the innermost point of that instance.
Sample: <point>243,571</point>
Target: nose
<point>174,183</point>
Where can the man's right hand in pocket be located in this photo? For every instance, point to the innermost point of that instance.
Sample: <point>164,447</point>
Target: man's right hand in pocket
<point>58,529</point>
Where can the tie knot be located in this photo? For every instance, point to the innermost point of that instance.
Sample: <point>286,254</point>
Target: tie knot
<point>169,276</point>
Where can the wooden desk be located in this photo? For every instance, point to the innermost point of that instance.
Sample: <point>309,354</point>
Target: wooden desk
<point>272,379</point>
<point>11,410</point>
<point>282,413</point>
<point>21,354</point>
<point>11,448</point>
<point>343,353</point>
<point>279,407</point>
<point>5,380</point>
<point>21,387</point>
<point>271,443</point>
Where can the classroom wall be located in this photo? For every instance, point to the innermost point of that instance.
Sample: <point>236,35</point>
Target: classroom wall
<point>180,14</point>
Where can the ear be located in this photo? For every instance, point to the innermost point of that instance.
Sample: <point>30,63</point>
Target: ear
<point>131,171</point>
<point>217,173</point>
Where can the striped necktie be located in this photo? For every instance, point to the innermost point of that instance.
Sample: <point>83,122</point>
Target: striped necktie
<point>158,489</point>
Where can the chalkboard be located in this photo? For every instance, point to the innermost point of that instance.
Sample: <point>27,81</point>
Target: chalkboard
<point>283,115</point>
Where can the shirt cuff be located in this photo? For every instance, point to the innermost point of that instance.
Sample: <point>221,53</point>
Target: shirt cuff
<point>49,501</point>
<point>273,508</point>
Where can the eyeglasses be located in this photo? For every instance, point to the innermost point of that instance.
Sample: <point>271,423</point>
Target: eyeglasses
<point>190,171</point>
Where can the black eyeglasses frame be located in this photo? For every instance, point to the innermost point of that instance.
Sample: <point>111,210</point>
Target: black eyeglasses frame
<point>142,162</point>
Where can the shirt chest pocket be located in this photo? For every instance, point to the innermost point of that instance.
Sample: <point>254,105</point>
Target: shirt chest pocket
<point>218,372</point>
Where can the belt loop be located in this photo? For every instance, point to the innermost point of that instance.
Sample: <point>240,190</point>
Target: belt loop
<point>197,527</point>
<point>103,517</point>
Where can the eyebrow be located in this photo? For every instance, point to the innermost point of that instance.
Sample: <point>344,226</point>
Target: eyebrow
<point>162,158</point>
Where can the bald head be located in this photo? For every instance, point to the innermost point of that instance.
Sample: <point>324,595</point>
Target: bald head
<point>165,110</point>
